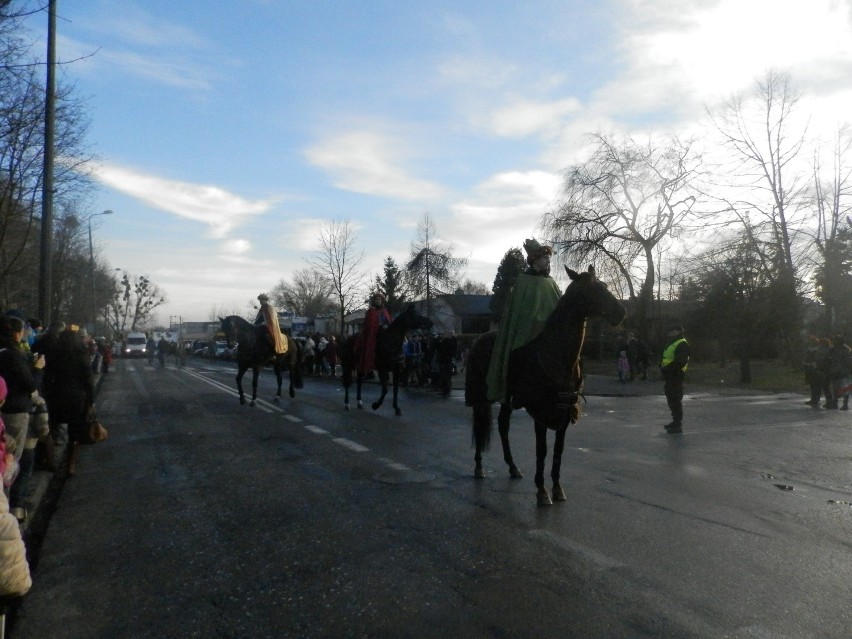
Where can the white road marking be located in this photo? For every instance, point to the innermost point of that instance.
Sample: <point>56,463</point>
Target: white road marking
<point>348,443</point>
<point>315,429</point>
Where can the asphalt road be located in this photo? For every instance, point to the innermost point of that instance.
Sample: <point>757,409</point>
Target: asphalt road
<point>203,518</point>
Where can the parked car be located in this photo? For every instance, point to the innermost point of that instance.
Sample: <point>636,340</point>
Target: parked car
<point>218,349</point>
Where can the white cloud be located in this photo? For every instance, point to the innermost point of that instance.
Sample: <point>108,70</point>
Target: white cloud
<point>702,52</point>
<point>501,212</point>
<point>220,210</point>
<point>525,117</point>
<point>368,162</point>
<point>236,247</point>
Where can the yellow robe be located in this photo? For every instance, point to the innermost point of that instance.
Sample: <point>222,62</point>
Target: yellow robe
<point>270,320</point>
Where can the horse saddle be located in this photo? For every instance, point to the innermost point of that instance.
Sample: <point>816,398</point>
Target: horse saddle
<point>548,399</point>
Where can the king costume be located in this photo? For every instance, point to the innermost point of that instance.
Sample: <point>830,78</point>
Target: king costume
<point>532,299</point>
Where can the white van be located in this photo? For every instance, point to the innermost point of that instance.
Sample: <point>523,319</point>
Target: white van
<point>134,345</point>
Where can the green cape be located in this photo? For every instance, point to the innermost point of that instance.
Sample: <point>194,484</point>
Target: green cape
<point>531,301</point>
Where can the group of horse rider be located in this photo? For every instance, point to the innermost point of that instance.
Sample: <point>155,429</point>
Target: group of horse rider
<point>376,318</point>
<point>532,299</point>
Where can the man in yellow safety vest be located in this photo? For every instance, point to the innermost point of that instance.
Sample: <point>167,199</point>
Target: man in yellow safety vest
<point>673,368</point>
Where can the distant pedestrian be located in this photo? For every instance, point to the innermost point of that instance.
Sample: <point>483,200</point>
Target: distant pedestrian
<point>151,349</point>
<point>162,348</point>
<point>811,363</point>
<point>331,355</point>
<point>673,368</point>
<point>840,365</point>
<point>623,366</point>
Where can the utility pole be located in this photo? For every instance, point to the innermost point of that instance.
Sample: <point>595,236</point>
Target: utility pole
<point>46,252</point>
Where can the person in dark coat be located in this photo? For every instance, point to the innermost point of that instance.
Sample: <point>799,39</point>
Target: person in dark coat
<point>70,389</point>
<point>448,346</point>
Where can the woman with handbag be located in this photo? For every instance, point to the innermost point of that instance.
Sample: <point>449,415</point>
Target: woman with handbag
<point>70,391</point>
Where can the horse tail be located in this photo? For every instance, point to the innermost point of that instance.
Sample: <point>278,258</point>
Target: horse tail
<point>482,426</point>
<point>476,388</point>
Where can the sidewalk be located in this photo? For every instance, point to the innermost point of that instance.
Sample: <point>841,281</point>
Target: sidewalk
<point>43,492</point>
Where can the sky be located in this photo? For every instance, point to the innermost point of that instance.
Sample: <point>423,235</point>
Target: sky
<point>229,133</point>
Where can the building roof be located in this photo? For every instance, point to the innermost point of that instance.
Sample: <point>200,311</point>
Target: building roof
<point>469,304</point>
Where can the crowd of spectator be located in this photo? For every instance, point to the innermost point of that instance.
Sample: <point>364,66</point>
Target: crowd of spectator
<point>46,394</point>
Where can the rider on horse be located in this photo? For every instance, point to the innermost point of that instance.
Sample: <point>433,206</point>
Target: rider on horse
<point>532,299</point>
<point>377,317</point>
<point>267,323</point>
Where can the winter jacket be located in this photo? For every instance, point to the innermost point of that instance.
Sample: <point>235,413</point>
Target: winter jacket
<point>16,370</point>
<point>15,578</point>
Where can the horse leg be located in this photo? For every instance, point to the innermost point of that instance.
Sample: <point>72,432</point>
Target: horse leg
<point>346,380</point>
<point>240,372</point>
<point>503,419</point>
<point>278,378</point>
<point>396,375</point>
<point>383,384</point>
<point>255,374</point>
<point>558,447</point>
<point>481,435</point>
<point>359,380</point>
<point>543,497</point>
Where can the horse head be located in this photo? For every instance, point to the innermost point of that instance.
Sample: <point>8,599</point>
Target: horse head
<point>228,327</point>
<point>593,297</point>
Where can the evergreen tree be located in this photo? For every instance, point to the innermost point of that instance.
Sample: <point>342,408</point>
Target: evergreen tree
<point>393,286</point>
<point>512,265</point>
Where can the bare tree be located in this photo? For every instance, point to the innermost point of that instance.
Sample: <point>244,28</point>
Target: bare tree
<point>432,268</point>
<point>766,187</point>
<point>338,259</point>
<point>620,204</point>
<point>756,132</point>
<point>308,294</point>
<point>22,122</point>
<point>133,302</point>
<point>832,197</point>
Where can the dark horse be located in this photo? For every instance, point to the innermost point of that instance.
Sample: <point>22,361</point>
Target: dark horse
<point>389,357</point>
<point>254,351</point>
<point>544,377</point>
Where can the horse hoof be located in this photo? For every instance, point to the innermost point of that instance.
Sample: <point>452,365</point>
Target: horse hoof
<point>252,403</point>
<point>346,407</point>
<point>376,405</point>
<point>276,400</point>
<point>360,404</point>
<point>398,412</point>
<point>543,498</point>
<point>479,472</point>
<point>515,472</point>
<point>242,401</point>
<point>558,493</point>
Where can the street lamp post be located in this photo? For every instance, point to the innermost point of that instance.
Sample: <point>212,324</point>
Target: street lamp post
<point>92,265</point>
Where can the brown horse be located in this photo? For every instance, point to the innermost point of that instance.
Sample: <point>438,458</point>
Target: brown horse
<point>544,377</point>
<point>254,351</point>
